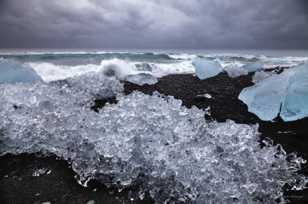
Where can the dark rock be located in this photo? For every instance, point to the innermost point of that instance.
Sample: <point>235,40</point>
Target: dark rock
<point>100,103</point>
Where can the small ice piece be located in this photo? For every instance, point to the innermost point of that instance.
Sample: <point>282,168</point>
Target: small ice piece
<point>235,71</point>
<point>261,75</point>
<point>286,93</point>
<point>47,202</point>
<point>253,67</point>
<point>206,95</point>
<point>40,172</point>
<point>14,72</point>
<point>206,68</point>
<point>141,79</point>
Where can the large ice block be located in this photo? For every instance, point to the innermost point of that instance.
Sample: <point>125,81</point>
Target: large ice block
<point>285,94</point>
<point>14,72</point>
<point>206,68</point>
<point>295,104</point>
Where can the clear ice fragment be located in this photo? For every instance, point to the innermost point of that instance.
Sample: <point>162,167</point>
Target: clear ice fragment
<point>206,68</point>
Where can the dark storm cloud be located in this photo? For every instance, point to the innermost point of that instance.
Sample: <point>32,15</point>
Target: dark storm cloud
<point>154,24</point>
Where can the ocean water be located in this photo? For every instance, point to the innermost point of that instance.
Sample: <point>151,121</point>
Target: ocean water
<point>54,64</point>
<point>170,151</point>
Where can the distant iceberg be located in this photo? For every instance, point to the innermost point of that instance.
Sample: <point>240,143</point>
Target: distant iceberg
<point>253,67</point>
<point>285,94</point>
<point>14,72</point>
<point>206,68</point>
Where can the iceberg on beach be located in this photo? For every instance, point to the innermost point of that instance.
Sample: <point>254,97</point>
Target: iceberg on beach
<point>14,72</point>
<point>206,68</point>
<point>285,94</point>
<point>295,104</point>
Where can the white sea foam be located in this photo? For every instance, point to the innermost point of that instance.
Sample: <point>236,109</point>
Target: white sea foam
<point>52,72</point>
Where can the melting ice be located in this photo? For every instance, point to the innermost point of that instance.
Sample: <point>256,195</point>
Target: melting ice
<point>168,150</point>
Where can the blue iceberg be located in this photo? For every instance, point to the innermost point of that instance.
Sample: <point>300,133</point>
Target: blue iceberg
<point>295,105</point>
<point>14,72</point>
<point>285,95</point>
<point>206,68</point>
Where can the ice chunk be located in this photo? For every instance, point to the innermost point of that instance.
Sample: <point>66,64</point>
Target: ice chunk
<point>295,105</point>
<point>14,72</point>
<point>261,75</point>
<point>141,79</point>
<point>286,92</point>
<point>253,67</point>
<point>153,141</point>
<point>235,71</point>
<point>206,68</point>
<point>264,98</point>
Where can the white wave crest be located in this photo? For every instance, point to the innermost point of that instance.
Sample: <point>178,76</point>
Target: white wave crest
<point>120,68</point>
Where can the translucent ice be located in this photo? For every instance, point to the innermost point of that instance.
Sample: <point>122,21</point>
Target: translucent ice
<point>141,79</point>
<point>153,141</point>
<point>206,68</point>
<point>264,98</point>
<point>14,72</point>
<point>235,71</point>
<point>295,105</point>
<point>285,93</point>
<point>253,67</point>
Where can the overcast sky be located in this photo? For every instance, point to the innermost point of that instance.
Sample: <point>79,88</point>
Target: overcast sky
<point>173,24</point>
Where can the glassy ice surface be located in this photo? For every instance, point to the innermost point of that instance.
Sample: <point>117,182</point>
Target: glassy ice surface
<point>14,72</point>
<point>153,141</point>
<point>206,68</point>
<point>142,79</point>
<point>285,94</point>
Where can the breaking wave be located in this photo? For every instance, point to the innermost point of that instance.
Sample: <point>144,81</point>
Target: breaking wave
<point>52,72</point>
<point>152,142</point>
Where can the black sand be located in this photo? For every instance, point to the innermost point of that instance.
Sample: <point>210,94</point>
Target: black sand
<point>17,185</point>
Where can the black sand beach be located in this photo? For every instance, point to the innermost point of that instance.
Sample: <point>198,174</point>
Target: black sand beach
<point>57,183</point>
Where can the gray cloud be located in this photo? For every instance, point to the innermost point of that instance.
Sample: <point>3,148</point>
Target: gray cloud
<point>199,24</point>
